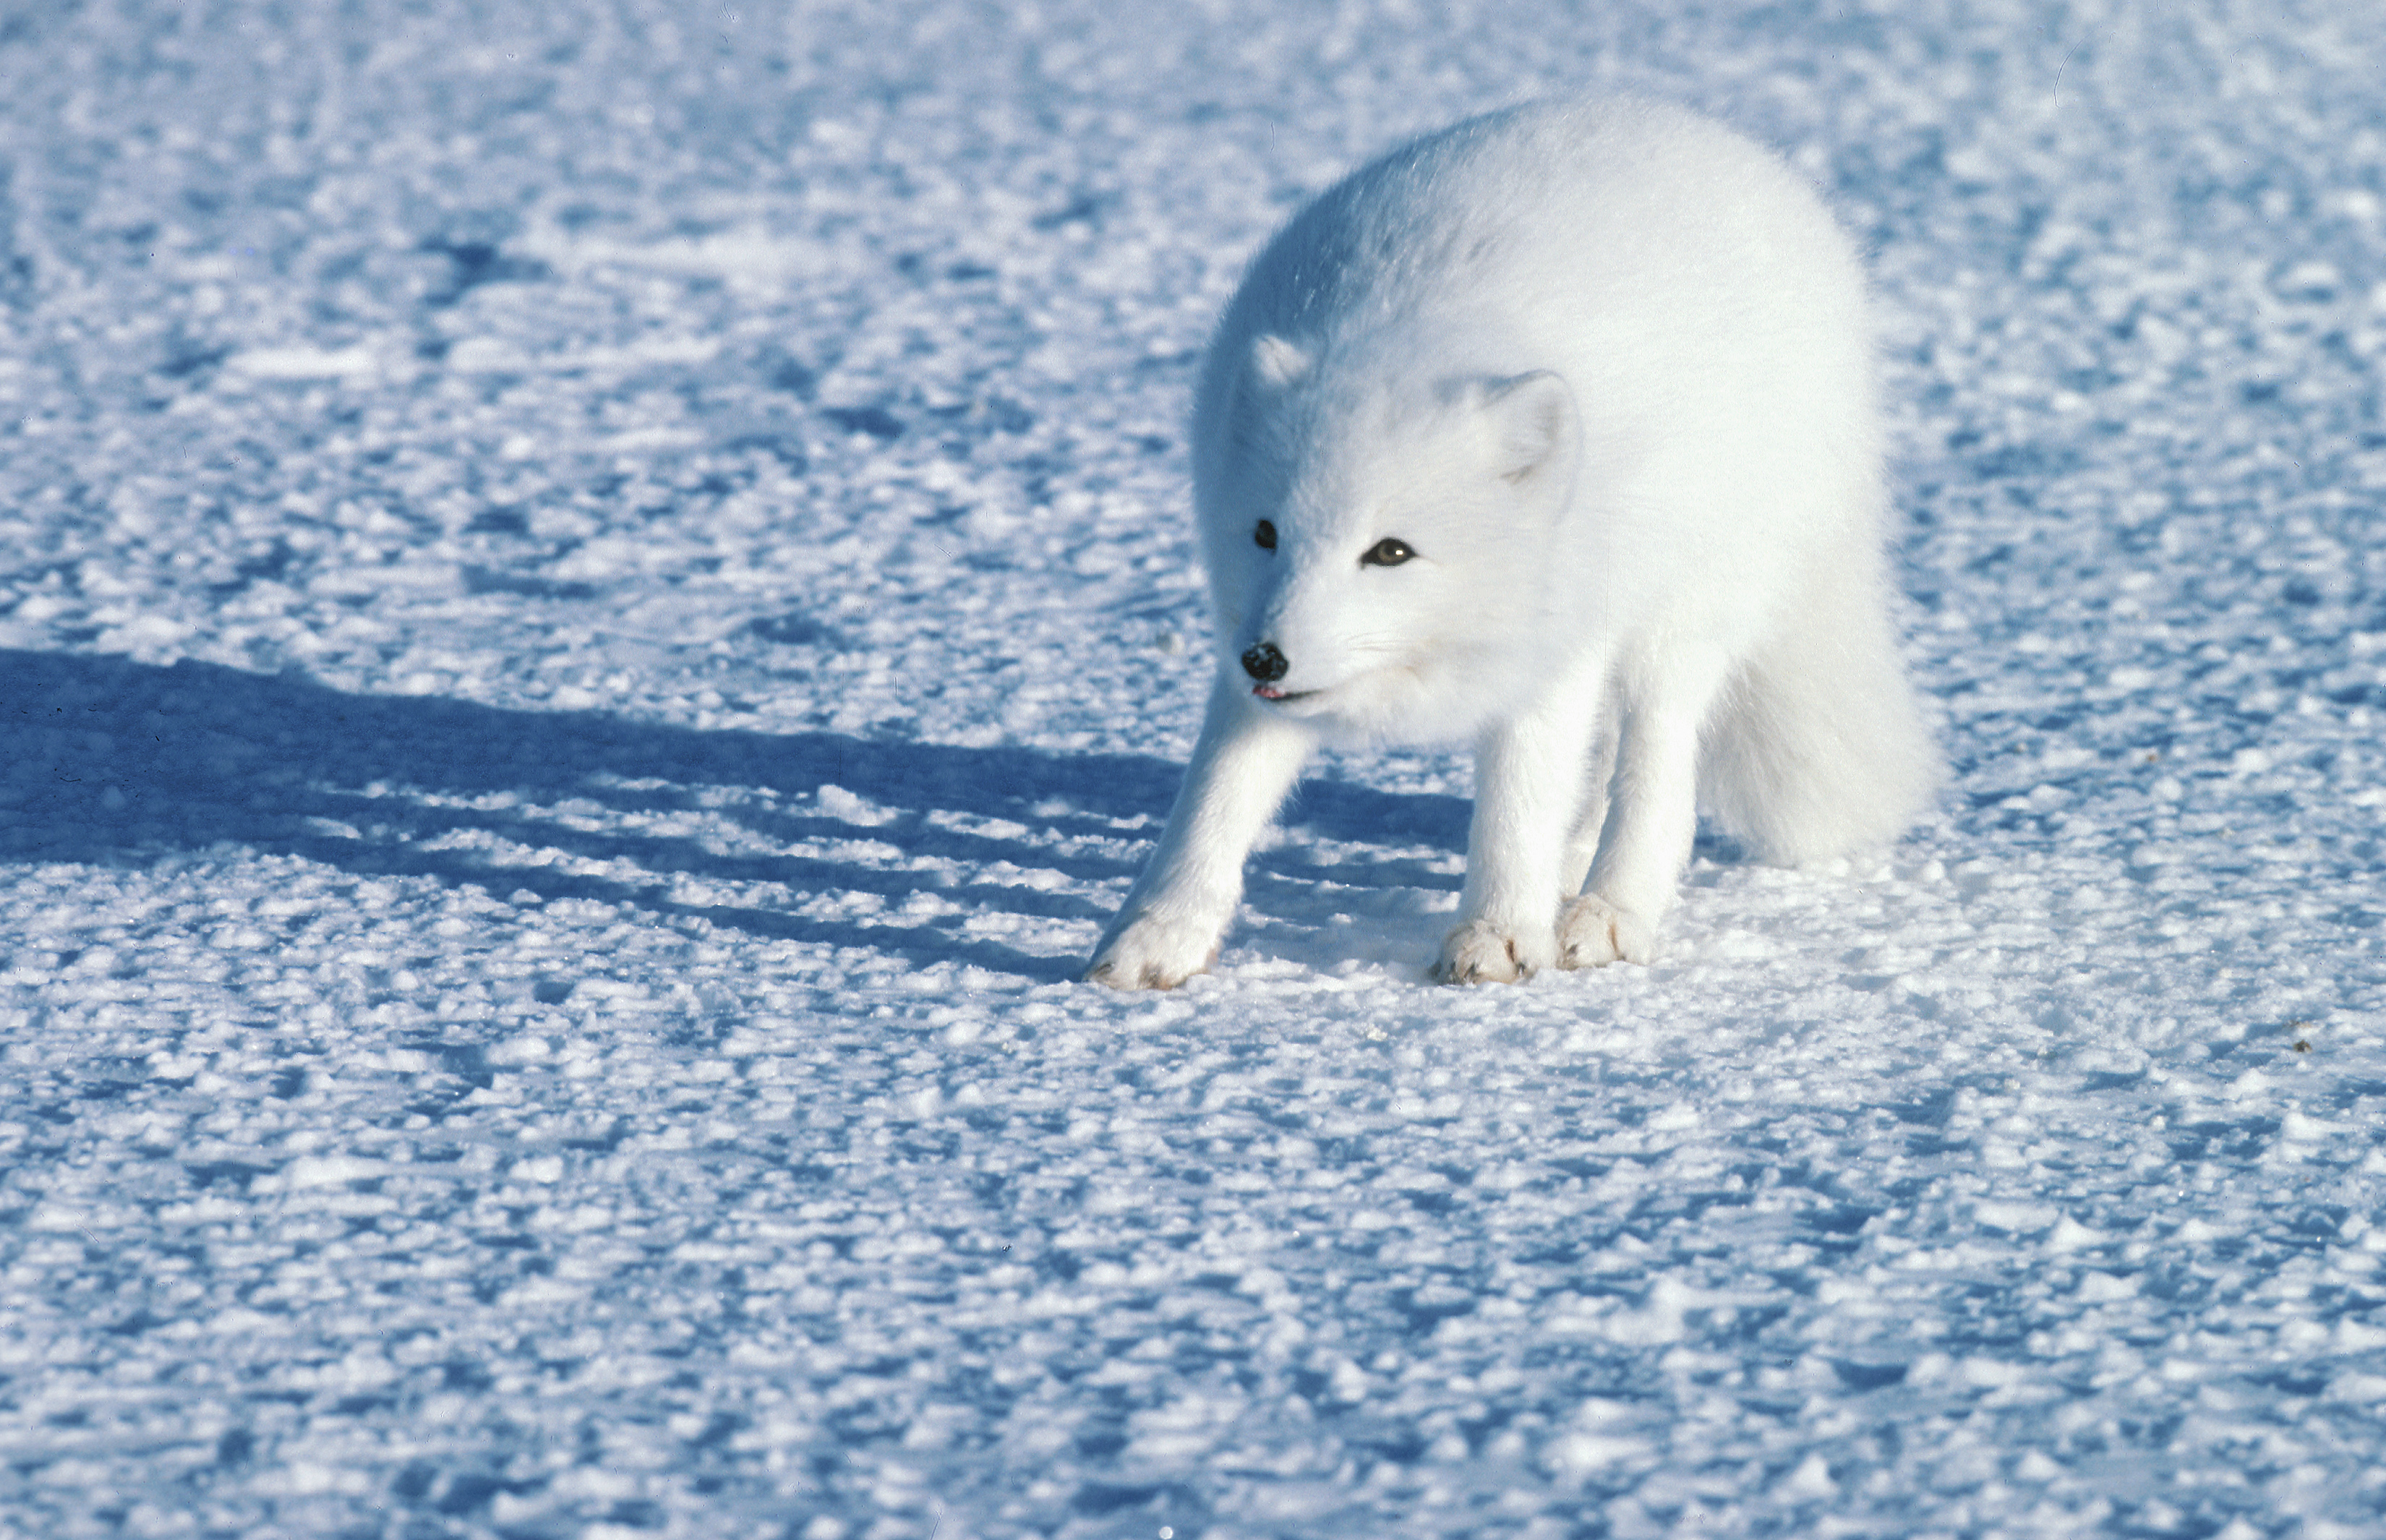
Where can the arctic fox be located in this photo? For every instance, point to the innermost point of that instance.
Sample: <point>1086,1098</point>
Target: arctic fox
<point>1554,430</point>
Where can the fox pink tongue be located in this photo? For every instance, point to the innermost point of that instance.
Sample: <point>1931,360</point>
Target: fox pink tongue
<point>1268,692</point>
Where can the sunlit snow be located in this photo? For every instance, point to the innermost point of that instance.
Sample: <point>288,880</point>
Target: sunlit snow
<point>596,605</point>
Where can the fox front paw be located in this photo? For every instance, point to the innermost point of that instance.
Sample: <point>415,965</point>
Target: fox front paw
<point>1482,952</point>
<point>1593,932</point>
<point>1154,952</point>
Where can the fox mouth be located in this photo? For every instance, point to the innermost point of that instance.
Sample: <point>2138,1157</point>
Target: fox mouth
<point>1270,692</point>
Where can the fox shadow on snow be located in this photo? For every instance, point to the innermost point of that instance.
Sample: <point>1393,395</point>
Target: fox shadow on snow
<point>116,763</point>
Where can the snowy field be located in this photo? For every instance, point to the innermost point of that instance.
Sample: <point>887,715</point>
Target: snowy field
<point>596,604</point>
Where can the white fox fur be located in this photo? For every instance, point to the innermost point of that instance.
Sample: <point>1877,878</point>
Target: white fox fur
<point>1560,425</point>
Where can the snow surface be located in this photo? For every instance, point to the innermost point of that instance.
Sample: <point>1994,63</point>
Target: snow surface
<point>596,604</point>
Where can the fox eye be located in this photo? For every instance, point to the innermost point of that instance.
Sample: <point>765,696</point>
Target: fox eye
<point>1387,553</point>
<point>1266,536</point>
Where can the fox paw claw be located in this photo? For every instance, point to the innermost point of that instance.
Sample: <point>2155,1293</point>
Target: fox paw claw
<point>1481,952</point>
<point>1593,932</point>
<point>1153,953</point>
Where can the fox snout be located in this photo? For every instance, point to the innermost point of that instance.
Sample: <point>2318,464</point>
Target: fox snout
<point>1265,663</point>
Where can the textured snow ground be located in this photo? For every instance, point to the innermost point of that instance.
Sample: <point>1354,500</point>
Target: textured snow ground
<point>595,607</point>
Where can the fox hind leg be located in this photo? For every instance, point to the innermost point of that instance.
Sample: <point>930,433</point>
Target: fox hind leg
<point>1651,817</point>
<point>1528,790</point>
<point>1590,817</point>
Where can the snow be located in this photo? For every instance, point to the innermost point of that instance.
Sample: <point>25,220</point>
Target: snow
<point>596,604</point>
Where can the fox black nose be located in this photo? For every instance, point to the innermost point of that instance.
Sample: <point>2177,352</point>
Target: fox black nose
<point>1264,663</point>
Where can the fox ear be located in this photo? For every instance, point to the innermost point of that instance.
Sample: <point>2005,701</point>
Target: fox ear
<point>1278,362</point>
<point>1531,418</point>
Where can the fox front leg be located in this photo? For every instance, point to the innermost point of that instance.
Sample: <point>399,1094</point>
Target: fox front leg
<point>1176,915</point>
<point>1529,794</point>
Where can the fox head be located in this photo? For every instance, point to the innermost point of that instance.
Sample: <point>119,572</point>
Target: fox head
<point>1380,539</point>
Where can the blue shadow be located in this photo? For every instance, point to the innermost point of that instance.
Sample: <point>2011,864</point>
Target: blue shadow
<point>109,762</point>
